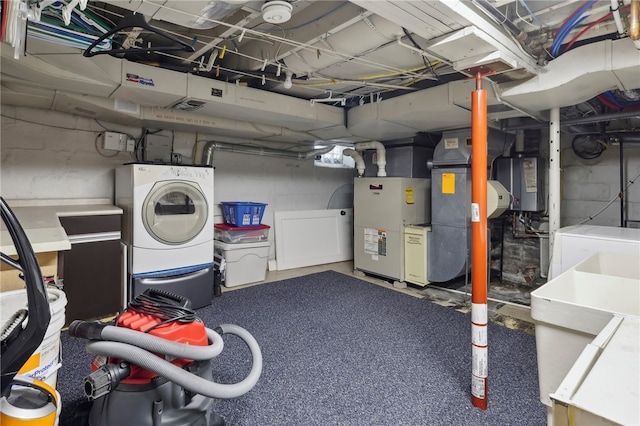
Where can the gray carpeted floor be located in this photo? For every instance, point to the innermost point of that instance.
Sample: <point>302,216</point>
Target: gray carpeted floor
<point>341,351</point>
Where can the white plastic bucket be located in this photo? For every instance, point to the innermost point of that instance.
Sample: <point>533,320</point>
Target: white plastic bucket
<point>45,361</point>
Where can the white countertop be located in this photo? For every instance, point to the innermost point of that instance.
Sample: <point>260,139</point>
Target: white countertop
<point>39,219</point>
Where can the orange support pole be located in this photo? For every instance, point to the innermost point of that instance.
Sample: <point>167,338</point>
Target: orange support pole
<point>479,250</point>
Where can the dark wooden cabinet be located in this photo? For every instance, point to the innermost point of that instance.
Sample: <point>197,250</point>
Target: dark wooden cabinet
<point>91,271</point>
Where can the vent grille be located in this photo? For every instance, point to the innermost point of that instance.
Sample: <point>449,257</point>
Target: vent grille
<point>188,105</point>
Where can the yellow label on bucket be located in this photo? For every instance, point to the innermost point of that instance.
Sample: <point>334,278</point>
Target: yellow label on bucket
<point>32,363</point>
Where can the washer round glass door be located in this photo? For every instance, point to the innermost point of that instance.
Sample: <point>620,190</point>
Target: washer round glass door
<point>175,212</point>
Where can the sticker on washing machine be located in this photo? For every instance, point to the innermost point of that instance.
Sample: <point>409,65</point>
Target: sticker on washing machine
<point>375,241</point>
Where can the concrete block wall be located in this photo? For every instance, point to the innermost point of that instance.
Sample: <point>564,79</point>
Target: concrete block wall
<point>590,185</point>
<point>51,155</point>
<point>587,187</point>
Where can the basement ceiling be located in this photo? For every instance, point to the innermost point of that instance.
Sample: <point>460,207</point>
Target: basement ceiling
<point>336,71</point>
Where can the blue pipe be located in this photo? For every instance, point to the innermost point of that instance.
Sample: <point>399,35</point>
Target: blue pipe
<point>569,26</point>
<point>557,43</point>
<point>622,103</point>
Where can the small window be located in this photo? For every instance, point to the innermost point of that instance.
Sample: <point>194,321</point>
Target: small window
<point>335,158</point>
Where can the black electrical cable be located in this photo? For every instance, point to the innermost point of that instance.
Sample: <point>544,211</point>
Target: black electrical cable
<point>588,147</point>
<point>426,60</point>
<point>161,307</point>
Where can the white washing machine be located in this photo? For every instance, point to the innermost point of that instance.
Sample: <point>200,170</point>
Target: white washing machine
<point>167,228</point>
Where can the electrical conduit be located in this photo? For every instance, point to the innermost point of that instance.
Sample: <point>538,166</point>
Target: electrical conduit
<point>381,155</point>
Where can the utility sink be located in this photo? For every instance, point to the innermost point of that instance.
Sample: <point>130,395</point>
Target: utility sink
<point>570,310</point>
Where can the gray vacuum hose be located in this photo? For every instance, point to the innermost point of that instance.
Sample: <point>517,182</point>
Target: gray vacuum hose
<point>163,346</point>
<point>147,360</point>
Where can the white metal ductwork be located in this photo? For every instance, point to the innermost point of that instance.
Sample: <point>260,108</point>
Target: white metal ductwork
<point>579,75</point>
<point>125,92</point>
<point>368,32</point>
<point>576,76</point>
<point>471,48</point>
<point>192,14</point>
<point>131,93</point>
<point>443,107</point>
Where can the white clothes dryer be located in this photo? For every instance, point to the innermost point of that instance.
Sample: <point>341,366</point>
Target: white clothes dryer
<point>167,226</point>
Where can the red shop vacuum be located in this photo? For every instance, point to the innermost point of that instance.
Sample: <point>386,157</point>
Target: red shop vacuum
<point>153,367</point>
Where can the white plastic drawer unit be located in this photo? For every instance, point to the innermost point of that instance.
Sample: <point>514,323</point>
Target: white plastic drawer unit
<point>245,263</point>
<point>570,310</point>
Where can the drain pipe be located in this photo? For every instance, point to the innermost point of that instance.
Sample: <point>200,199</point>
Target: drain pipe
<point>381,160</point>
<point>357,158</point>
<point>207,153</point>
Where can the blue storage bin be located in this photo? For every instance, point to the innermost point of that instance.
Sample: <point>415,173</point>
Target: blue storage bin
<point>242,213</point>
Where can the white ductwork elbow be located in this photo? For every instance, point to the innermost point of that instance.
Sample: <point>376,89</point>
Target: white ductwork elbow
<point>381,155</point>
<point>357,158</point>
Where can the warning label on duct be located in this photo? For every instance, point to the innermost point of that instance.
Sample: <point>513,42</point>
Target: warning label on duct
<point>375,241</point>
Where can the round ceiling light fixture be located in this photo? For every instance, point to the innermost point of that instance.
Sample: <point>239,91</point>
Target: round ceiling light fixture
<point>277,11</point>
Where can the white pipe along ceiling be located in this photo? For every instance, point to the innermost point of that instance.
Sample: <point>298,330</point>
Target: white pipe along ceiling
<point>299,74</point>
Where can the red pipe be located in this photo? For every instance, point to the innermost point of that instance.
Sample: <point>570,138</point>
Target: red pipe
<point>608,103</point>
<point>479,252</point>
<point>585,29</point>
